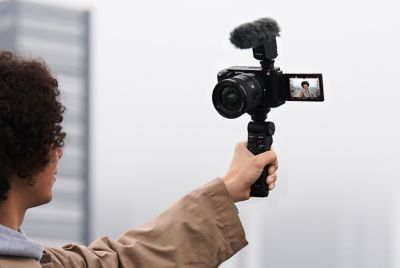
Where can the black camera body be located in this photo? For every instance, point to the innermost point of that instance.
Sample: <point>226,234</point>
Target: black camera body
<point>242,89</point>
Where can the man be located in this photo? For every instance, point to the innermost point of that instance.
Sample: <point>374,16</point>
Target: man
<point>305,92</point>
<point>201,230</point>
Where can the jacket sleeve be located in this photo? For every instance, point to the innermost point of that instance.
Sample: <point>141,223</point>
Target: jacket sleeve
<point>202,229</point>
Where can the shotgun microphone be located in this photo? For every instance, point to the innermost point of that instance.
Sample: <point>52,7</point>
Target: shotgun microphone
<point>259,35</point>
<point>254,34</point>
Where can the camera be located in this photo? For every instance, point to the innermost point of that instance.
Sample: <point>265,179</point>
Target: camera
<point>243,89</point>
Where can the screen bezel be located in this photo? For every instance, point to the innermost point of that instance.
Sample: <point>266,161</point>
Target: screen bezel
<point>305,77</point>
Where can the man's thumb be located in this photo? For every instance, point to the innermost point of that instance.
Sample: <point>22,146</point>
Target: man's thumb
<point>266,158</point>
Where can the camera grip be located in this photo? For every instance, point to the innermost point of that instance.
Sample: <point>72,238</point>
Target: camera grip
<point>259,141</point>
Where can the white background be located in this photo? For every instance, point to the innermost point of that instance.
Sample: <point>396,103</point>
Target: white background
<point>156,134</point>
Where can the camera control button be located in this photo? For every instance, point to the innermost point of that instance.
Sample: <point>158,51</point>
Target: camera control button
<point>251,139</point>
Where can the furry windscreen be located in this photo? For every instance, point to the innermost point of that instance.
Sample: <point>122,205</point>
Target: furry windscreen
<point>254,34</point>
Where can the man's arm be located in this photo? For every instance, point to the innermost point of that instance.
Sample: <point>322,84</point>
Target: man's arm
<point>201,230</point>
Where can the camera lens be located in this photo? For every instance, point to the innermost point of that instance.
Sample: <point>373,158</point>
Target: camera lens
<point>237,95</point>
<point>231,99</point>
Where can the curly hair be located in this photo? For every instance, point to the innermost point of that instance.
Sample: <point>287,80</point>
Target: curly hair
<point>30,117</point>
<point>304,83</point>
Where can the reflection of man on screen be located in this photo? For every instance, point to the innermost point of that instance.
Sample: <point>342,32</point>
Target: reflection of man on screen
<point>305,92</point>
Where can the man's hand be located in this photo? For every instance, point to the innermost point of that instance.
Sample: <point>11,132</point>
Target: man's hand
<point>246,168</point>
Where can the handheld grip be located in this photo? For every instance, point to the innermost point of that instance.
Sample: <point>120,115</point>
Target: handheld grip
<point>260,187</point>
<point>259,141</point>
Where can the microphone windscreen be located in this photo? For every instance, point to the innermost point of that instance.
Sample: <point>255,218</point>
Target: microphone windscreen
<point>254,34</point>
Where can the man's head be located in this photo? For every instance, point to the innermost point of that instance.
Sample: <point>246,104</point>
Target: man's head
<point>31,136</point>
<point>305,84</point>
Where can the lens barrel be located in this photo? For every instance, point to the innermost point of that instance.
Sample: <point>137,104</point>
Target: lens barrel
<point>237,95</point>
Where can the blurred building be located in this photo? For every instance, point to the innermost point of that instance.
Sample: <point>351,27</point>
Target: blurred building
<point>61,37</point>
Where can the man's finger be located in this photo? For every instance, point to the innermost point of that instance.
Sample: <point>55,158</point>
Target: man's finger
<point>241,148</point>
<point>271,186</point>
<point>271,179</point>
<point>272,168</point>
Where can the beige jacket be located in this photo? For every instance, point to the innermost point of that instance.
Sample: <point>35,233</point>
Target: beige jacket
<point>200,230</point>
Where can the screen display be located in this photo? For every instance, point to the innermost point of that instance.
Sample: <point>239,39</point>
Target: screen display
<point>305,87</point>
